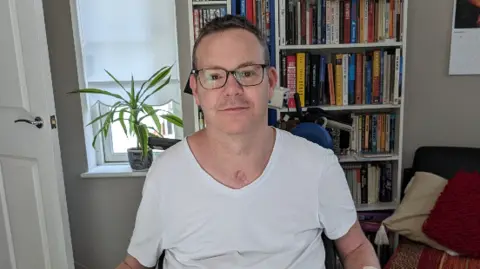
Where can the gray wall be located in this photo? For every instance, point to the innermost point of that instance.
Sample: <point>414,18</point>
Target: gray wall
<point>439,109</point>
<point>102,211</point>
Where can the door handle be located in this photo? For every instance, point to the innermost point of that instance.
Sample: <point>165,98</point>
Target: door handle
<point>38,122</point>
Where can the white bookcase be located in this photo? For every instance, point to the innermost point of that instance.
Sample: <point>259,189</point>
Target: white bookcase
<point>397,108</point>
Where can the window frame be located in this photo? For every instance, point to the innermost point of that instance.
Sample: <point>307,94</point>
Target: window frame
<point>186,109</point>
<point>94,112</point>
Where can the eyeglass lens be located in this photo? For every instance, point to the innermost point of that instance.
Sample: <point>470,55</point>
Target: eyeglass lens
<point>213,78</point>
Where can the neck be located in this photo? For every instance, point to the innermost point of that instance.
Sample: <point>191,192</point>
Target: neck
<point>240,145</point>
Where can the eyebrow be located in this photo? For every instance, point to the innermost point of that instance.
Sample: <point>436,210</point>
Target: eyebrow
<point>246,63</point>
<point>238,66</point>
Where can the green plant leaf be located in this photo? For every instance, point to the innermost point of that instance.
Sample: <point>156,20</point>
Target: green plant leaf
<point>143,138</point>
<point>156,90</point>
<point>149,114</point>
<point>148,80</point>
<point>109,120</point>
<point>173,119</point>
<point>116,80</point>
<point>95,138</point>
<point>121,118</point>
<point>133,100</point>
<point>107,123</point>
<point>118,119</point>
<point>153,114</point>
<point>98,118</point>
<point>114,107</point>
<point>152,76</point>
<point>159,77</point>
<point>96,135</point>
<point>133,122</point>
<point>99,91</point>
<point>105,126</point>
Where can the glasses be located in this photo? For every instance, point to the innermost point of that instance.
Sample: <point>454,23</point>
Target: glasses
<point>214,78</point>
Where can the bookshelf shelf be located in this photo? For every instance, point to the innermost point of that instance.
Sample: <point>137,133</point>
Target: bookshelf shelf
<point>208,3</point>
<point>341,46</point>
<point>368,158</point>
<point>349,108</point>
<point>377,206</point>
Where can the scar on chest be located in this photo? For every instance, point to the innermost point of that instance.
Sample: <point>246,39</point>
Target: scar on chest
<point>240,176</point>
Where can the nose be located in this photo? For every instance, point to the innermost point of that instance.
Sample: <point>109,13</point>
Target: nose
<point>232,87</point>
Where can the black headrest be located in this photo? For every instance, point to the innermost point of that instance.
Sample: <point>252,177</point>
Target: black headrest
<point>446,161</point>
<point>187,88</point>
<point>443,161</point>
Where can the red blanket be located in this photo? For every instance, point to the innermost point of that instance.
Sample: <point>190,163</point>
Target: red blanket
<point>411,255</point>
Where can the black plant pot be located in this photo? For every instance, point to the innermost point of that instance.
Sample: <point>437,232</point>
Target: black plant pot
<point>139,162</point>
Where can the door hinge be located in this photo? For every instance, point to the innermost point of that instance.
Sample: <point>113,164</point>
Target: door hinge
<point>53,122</point>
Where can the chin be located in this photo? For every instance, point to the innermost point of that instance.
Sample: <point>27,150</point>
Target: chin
<point>235,127</point>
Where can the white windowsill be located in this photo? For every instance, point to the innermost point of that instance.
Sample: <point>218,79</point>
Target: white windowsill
<point>113,171</point>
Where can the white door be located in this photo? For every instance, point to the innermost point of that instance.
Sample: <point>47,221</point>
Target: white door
<point>34,229</point>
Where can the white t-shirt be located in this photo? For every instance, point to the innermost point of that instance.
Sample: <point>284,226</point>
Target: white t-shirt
<point>275,222</point>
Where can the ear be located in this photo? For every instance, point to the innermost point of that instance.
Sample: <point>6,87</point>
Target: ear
<point>272,80</point>
<point>194,87</point>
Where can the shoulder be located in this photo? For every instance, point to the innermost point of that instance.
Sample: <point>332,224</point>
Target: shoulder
<point>309,159</point>
<point>168,161</point>
<point>299,148</point>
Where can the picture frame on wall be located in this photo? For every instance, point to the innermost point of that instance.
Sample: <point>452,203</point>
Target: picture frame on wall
<point>465,38</point>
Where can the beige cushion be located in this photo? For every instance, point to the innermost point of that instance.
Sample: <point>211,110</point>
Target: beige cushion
<point>421,195</point>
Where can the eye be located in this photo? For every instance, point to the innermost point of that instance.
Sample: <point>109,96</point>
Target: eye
<point>246,73</point>
<point>213,76</point>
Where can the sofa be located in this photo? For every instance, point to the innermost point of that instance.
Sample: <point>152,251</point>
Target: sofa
<point>443,161</point>
<point>431,249</point>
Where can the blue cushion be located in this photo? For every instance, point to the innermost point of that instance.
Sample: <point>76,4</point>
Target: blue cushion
<point>315,133</point>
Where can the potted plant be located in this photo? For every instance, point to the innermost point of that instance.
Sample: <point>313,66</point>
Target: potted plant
<point>131,109</point>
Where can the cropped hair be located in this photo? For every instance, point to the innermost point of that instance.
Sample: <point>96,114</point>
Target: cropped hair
<point>228,22</point>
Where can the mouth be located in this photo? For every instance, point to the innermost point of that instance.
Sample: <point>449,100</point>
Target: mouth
<point>233,109</point>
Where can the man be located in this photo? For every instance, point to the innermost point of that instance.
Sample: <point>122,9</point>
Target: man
<point>241,194</point>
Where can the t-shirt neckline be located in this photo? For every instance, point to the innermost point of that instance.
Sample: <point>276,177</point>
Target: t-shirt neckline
<point>206,177</point>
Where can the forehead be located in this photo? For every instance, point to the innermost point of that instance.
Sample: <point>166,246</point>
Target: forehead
<point>229,49</point>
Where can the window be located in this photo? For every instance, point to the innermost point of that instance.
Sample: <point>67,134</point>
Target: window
<point>128,37</point>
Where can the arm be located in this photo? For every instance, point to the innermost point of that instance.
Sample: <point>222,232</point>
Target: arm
<point>145,245</point>
<point>130,263</point>
<point>355,250</point>
<point>338,216</point>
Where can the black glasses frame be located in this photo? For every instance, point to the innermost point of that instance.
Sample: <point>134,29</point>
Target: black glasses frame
<point>196,72</point>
